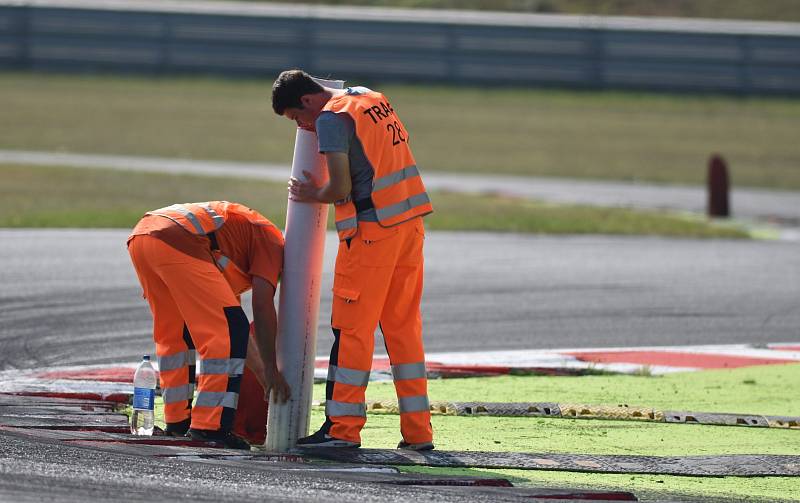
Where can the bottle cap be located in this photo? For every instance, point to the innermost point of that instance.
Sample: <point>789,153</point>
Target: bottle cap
<point>146,358</point>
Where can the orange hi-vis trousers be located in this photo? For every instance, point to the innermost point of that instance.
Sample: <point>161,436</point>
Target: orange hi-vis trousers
<point>378,281</point>
<point>193,308</point>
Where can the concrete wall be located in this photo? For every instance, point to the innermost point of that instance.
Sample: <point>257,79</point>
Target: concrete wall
<point>155,37</point>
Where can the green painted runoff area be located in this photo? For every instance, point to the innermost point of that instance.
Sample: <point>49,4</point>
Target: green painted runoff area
<point>78,197</point>
<point>768,390</point>
<point>583,134</point>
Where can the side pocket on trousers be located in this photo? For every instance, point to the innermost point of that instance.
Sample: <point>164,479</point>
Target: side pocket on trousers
<point>378,246</point>
<point>345,308</point>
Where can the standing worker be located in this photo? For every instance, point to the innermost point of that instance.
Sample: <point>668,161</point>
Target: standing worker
<point>193,261</point>
<point>379,200</point>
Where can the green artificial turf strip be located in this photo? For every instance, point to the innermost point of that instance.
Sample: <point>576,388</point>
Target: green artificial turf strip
<point>586,134</point>
<point>765,389</point>
<point>583,436</point>
<point>78,197</point>
<point>768,390</point>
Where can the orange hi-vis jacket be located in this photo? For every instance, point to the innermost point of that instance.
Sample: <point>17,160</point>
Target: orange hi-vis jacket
<point>204,219</point>
<point>398,193</point>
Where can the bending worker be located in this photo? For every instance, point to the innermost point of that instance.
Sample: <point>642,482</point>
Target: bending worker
<point>379,200</point>
<point>193,261</point>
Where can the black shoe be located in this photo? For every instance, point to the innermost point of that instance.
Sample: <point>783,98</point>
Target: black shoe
<point>178,429</point>
<point>423,446</point>
<point>322,439</point>
<point>224,439</point>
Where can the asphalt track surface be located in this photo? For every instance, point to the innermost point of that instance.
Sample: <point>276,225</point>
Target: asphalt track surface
<point>51,471</point>
<point>70,297</point>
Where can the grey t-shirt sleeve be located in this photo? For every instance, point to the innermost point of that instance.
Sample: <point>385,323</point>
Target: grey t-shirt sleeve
<point>334,132</point>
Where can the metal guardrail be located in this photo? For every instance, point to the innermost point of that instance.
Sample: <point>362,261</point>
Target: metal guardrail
<point>236,38</point>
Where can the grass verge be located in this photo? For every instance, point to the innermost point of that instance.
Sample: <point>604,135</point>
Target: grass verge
<point>774,10</point>
<point>609,135</point>
<point>76,197</point>
<point>771,390</point>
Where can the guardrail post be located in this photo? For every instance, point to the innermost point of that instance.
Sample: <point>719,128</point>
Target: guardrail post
<point>165,43</point>
<point>24,38</point>
<point>746,67</point>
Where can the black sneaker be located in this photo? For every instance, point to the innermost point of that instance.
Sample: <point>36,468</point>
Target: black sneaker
<point>423,446</point>
<point>224,439</point>
<point>322,439</point>
<point>178,429</point>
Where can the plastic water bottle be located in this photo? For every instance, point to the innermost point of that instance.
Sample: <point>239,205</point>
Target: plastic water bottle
<point>144,394</point>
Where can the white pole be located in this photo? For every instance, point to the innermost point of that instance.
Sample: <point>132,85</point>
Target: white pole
<point>299,297</point>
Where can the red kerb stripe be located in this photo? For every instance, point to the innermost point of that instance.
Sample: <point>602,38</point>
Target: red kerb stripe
<point>674,359</point>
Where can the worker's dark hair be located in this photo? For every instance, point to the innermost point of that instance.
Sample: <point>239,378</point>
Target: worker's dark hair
<point>289,87</point>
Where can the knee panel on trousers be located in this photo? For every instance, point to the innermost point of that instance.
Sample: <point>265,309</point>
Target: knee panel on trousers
<point>219,379</point>
<point>238,329</point>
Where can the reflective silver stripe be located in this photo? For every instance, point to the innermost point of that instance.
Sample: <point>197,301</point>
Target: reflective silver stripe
<point>348,376</point>
<point>222,263</point>
<point>349,223</point>
<point>402,206</point>
<point>333,408</point>
<point>409,371</point>
<point>393,178</point>
<point>177,394</point>
<point>232,366</point>
<point>173,362</point>
<point>414,403</point>
<point>191,357</point>
<point>189,216</point>
<point>165,216</point>
<point>216,218</point>
<point>217,399</point>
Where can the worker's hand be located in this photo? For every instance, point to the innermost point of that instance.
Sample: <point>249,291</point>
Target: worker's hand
<point>304,190</point>
<point>275,383</point>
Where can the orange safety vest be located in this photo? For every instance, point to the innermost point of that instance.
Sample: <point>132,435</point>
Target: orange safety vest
<point>205,218</point>
<point>398,193</point>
